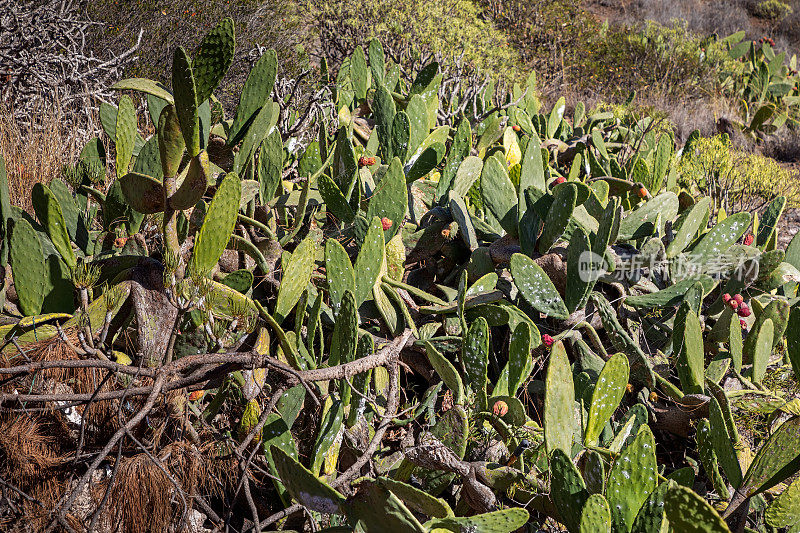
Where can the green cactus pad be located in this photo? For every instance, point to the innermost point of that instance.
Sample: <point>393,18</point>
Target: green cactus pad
<point>213,58</point>
<point>377,61</point>
<point>459,150</point>
<point>170,141</point>
<point>578,289</point>
<point>505,521</point>
<point>708,458</point>
<point>778,311</point>
<point>28,267</point>
<point>686,511</point>
<point>194,185</point>
<point>73,218</point>
<point>345,331</point>
<point>762,349</point>
<point>793,339</point>
<point>536,287</point>
<point>687,342</point>
<point>148,161</point>
<point>423,163</point>
<point>661,162</point>
<point>370,261</point>
<point>498,193</point>
<point>276,433</point>
<point>567,489</point>
<point>651,515</point>
<point>399,137</point>
<point>417,114</point>
<point>48,211</point>
<point>384,111</point>
<point>469,171</point>
<point>304,486</point>
<point>183,84</point>
<point>558,216</point>
<point>326,447</point>
<point>671,295</point>
<point>593,471</point>
<point>418,500</point>
<point>631,480</point>
<point>255,94</point>
<point>376,509</point>
<point>769,221</point>
<point>270,162</point>
<point>144,85</point>
<point>475,355</point>
<point>339,273</point>
<point>217,225</point>
<point>607,393</point>
<point>260,127</point>
<point>520,363</point>
<point>596,515</point>
<point>334,199</point>
<point>533,173</point>
<point>296,275</point>
<point>720,238</point>
<point>125,134</point>
<point>447,372</point>
<point>345,167</point>
<point>775,461</point>
<point>359,73</point>
<point>390,198</point>
<point>784,511</point>
<point>665,204</point>
<point>143,193</point>
<point>691,222</point>
<point>559,398</point>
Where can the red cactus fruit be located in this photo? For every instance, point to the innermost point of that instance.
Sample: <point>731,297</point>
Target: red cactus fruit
<point>743,323</point>
<point>365,161</point>
<point>748,239</point>
<point>743,311</point>
<point>386,223</point>
<point>739,298</point>
<point>196,395</point>
<point>726,297</point>
<point>500,408</point>
<point>547,340</point>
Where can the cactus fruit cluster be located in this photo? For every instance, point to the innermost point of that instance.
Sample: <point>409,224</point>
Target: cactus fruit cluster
<point>411,322</point>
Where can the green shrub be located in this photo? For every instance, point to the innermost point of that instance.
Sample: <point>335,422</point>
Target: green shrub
<point>734,179</point>
<point>667,60</point>
<point>773,10</point>
<point>415,29</point>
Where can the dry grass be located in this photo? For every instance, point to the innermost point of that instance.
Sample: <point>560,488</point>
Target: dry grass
<point>141,496</point>
<point>36,153</point>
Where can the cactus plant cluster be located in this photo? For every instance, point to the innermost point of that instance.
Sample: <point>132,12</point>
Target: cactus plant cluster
<point>767,86</point>
<point>563,308</point>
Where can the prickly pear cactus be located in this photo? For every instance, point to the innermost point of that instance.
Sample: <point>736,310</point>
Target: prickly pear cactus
<point>686,511</point>
<point>631,479</point>
<point>536,287</point>
<point>607,393</point>
<point>218,224</point>
<point>567,489</point>
<point>558,402</point>
<point>304,486</point>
